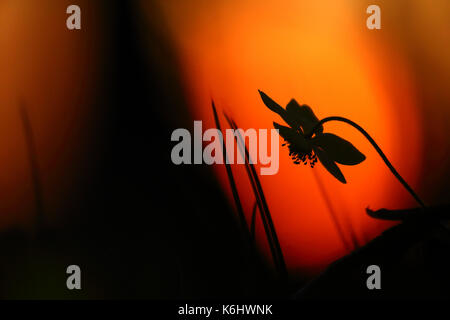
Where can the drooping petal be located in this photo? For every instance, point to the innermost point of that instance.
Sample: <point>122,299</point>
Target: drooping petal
<point>302,116</point>
<point>275,107</point>
<point>329,164</point>
<point>338,149</point>
<point>272,105</point>
<point>297,141</point>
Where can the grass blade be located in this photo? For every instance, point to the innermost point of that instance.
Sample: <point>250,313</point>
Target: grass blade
<point>230,176</point>
<point>269,227</point>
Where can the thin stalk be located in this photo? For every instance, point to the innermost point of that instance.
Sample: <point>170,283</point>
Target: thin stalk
<point>230,176</point>
<point>331,211</point>
<point>352,233</point>
<point>264,210</point>
<point>34,166</point>
<point>377,148</point>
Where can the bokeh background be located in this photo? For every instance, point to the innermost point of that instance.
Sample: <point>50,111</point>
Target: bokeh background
<point>103,102</point>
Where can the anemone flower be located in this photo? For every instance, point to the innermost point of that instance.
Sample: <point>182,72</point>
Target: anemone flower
<point>307,142</point>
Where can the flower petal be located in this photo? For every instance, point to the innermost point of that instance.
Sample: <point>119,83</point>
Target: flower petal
<point>338,149</point>
<point>275,107</point>
<point>329,164</point>
<point>302,116</point>
<point>272,105</point>
<point>293,137</point>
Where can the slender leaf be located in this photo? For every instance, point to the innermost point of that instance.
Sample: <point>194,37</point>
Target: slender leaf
<point>272,105</point>
<point>266,217</point>
<point>275,107</point>
<point>230,175</point>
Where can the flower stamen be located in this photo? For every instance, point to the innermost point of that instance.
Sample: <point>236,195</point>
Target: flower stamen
<point>301,156</point>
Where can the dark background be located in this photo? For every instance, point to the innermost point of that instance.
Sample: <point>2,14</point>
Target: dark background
<point>138,226</point>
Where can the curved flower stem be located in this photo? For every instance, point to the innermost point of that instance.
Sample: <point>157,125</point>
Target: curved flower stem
<point>377,148</point>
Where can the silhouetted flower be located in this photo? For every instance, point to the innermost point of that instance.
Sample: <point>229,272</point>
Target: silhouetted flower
<point>307,142</point>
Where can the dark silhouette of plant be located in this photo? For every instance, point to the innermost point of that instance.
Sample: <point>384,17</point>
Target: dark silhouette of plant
<point>260,201</point>
<point>440,212</point>
<point>234,191</point>
<point>266,217</point>
<point>306,141</point>
<point>304,146</point>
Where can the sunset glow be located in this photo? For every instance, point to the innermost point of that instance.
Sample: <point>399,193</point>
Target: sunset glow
<point>328,60</point>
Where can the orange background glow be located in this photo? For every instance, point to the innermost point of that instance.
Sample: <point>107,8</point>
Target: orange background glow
<point>393,82</point>
<point>321,54</point>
